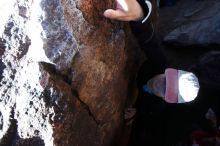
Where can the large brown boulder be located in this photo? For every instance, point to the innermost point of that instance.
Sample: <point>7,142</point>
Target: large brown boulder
<point>65,73</point>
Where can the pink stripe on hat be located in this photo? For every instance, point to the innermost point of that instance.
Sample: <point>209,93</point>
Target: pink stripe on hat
<point>171,94</point>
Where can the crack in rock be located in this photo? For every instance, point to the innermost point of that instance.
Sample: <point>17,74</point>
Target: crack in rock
<point>57,75</point>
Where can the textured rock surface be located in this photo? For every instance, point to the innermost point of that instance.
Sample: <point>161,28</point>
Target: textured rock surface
<point>197,23</point>
<point>64,73</point>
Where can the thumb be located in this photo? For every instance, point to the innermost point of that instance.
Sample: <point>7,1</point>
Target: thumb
<point>113,14</point>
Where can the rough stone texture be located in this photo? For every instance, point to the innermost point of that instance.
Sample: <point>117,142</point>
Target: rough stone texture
<point>24,113</point>
<point>197,23</point>
<point>64,73</point>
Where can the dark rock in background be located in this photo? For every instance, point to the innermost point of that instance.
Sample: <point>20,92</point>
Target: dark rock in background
<point>197,23</point>
<point>65,71</point>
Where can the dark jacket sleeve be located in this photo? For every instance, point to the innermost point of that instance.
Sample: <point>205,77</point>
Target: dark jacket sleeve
<point>145,33</point>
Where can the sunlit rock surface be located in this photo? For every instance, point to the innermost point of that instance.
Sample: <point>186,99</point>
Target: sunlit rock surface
<point>64,73</point>
<point>197,23</point>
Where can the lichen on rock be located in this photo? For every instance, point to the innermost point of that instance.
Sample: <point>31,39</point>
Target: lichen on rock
<point>64,73</point>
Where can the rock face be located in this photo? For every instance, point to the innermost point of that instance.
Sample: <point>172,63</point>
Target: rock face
<point>64,73</point>
<point>198,23</point>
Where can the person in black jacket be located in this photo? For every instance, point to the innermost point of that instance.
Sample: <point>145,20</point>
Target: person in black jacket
<point>160,120</point>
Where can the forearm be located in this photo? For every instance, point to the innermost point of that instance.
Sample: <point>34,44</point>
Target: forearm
<point>144,31</point>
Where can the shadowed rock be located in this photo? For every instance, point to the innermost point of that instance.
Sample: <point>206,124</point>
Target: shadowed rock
<point>197,24</point>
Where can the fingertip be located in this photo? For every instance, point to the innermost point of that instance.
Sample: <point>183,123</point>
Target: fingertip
<point>108,13</point>
<point>113,14</point>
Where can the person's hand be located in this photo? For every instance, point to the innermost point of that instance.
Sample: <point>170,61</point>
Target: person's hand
<point>126,10</point>
<point>129,115</point>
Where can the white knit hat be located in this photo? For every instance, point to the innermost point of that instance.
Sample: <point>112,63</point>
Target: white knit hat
<point>175,86</point>
<point>181,86</point>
